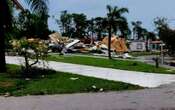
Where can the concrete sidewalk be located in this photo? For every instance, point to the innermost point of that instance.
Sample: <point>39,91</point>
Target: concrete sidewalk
<point>137,78</point>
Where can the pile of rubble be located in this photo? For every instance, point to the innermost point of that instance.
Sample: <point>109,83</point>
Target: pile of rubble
<point>64,45</point>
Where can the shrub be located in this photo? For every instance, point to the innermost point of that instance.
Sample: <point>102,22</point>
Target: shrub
<point>32,50</point>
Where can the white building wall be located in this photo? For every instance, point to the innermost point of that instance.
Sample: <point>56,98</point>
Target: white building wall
<point>137,46</point>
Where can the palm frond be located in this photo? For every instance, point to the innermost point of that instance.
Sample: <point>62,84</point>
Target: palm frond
<point>123,10</point>
<point>38,6</point>
<point>109,8</point>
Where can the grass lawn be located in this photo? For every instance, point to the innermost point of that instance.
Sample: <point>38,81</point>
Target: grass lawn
<point>116,64</point>
<point>52,82</point>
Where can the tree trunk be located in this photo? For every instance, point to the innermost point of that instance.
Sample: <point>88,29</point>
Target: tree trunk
<point>99,36</point>
<point>5,20</point>
<point>147,49</point>
<point>2,50</point>
<point>109,43</point>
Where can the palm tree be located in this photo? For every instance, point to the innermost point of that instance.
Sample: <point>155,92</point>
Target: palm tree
<point>37,6</point>
<point>99,28</point>
<point>137,30</point>
<point>90,26</point>
<point>124,29</point>
<point>114,19</point>
<point>65,22</point>
<point>91,29</point>
<point>161,24</point>
<point>80,24</point>
<point>149,36</point>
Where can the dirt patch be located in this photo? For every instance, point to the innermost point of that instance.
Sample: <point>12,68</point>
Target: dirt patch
<point>6,84</point>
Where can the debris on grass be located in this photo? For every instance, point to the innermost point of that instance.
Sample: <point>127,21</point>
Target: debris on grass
<point>170,70</point>
<point>74,79</point>
<point>94,87</point>
<point>101,90</point>
<point>7,94</point>
<point>27,79</point>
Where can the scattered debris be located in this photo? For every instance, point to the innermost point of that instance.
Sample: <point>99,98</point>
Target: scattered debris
<point>43,76</point>
<point>94,87</point>
<point>126,55</point>
<point>74,79</point>
<point>57,38</point>
<point>57,42</point>
<point>27,79</point>
<point>7,94</point>
<point>169,70</point>
<point>101,90</point>
<point>64,45</point>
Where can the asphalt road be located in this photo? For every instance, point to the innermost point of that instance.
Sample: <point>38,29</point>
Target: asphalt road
<point>162,98</point>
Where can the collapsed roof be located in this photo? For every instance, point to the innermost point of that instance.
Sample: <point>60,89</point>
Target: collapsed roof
<point>57,38</point>
<point>117,44</point>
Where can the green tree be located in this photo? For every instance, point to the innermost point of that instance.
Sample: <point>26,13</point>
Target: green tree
<point>138,30</point>
<point>124,29</point>
<point>90,31</point>
<point>90,27</point>
<point>65,23</point>
<point>99,26</point>
<point>79,25</point>
<point>151,36</point>
<point>113,21</point>
<point>31,25</point>
<point>38,6</point>
<point>166,34</point>
<point>160,24</point>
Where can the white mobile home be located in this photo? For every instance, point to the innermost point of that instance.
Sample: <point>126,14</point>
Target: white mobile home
<point>137,46</point>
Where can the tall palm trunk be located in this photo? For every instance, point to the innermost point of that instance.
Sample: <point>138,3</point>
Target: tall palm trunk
<point>109,42</point>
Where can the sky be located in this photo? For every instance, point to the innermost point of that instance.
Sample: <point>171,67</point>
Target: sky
<point>142,10</point>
